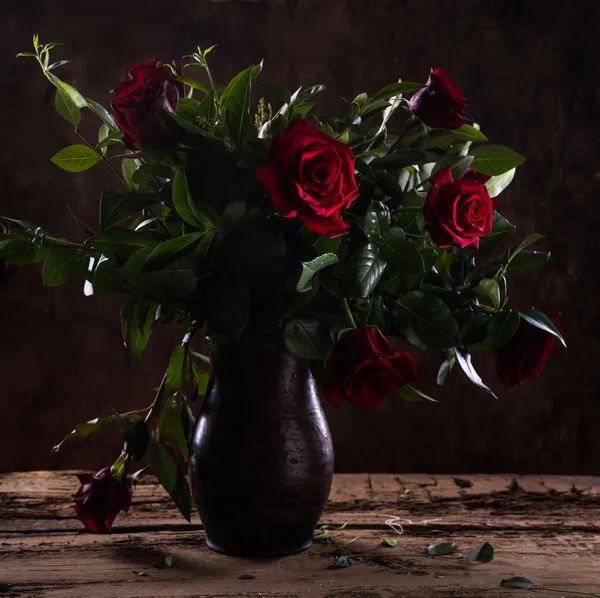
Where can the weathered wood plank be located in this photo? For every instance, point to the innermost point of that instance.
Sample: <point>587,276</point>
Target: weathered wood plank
<point>545,528</point>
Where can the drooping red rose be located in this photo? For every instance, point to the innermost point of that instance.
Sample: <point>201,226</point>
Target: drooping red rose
<point>524,356</point>
<point>478,177</point>
<point>365,369</point>
<point>440,105</point>
<point>458,212</point>
<point>310,175</point>
<point>142,90</point>
<point>99,499</point>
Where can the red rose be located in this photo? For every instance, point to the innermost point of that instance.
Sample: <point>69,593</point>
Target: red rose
<point>473,175</point>
<point>365,369</point>
<point>458,212</point>
<point>310,175</point>
<point>440,105</point>
<point>142,90</point>
<point>524,356</point>
<point>99,500</point>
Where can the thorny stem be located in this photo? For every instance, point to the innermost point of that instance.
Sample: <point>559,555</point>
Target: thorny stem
<point>348,313</point>
<point>102,157</point>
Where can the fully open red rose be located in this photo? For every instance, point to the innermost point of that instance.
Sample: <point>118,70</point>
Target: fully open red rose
<point>143,89</point>
<point>524,356</point>
<point>365,369</point>
<point>310,175</point>
<point>458,212</point>
<point>99,500</point>
<point>440,105</point>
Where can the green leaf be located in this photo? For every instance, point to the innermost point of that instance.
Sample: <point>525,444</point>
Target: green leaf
<point>497,184</point>
<point>190,211</point>
<point>310,269</point>
<point>85,429</point>
<point>525,263</point>
<point>411,393</point>
<point>464,360</point>
<point>103,114</point>
<point>377,221</point>
<point>484,553</point>
<point>517,583</point>
<point>500,228</point>
<point>526,242</point>
<point>542,321</point>
<point>442,549</point>
<point>126,314</point>
<point>176,281</point>
<point>66,108</point>
<point>494,160</point>
<point>397,160</point>
<point>281,92</point>
<point>440,138</point>
<point>445,369</point>
<point>69,90</point>
<point>373,109</point>
<point>469,133</point>
<point>308,338</point>
<point>123,237</point>
<point>165,254</point>
<point>21,252</point>
<point>397,88</point>
<point>458,165</point>
<point>128,168</point>
<point>489,288</point>
<point>376,315</point>
<point>178,372</point>
<point>134,431</point>
<point>59,265</point>
<point>117,206</point>
<point>202,378</point>
<point>106,278</point>
<point>76,158</point>
<point>193,83</point>
<point>403,258</point>
<point>172,424</point>
<point>342,561</point>
<point>389,542</point>
<point>320,243</point>
<point>473,328</point>
<point>502,327</point>
<point>141,329</point>
<point>426,321</point>
<point>237,104</point>
<point>227,304</point>
<point>165,467</point>
<point>363,271</point>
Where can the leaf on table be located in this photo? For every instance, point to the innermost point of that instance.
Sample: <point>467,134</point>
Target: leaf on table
<point>140,573</point>
<point>484,553</point>
<point>442,548</point>
<point>519,583</point>
<point>389,542</point>
<point>342,561</point>
<point>167,564</point>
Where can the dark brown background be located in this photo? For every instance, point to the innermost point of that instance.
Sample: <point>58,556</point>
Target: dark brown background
<point>530,70</point>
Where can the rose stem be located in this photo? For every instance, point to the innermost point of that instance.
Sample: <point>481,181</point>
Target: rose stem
<point>103,158</point>
<point>348,313</point>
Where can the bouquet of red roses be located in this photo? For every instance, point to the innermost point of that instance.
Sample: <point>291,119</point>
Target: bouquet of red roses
<point>230,218</point>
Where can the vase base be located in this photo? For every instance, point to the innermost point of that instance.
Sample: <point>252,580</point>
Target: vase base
<point>249,552</point>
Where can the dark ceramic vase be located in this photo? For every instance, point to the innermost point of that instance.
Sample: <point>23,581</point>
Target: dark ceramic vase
<point>261,461</point>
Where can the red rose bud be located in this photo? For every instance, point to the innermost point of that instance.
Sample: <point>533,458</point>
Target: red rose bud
<point>478,177</point>
<point>440,105</point>
<point>458,212</point>
<point>524,356</point>
<point>310,175</point>
<point>142,90</point>
<point>365,369</point>
<point>99,499</point>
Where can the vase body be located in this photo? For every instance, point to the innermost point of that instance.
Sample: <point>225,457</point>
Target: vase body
<point>261,461</point>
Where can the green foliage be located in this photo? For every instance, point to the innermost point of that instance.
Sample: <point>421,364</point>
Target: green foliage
<point>76,158</point>
<point>192,237</point>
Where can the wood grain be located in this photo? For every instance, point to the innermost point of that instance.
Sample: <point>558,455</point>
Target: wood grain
<point>546,528</point>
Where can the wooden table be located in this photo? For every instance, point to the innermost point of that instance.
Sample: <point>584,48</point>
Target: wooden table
<point>546,528</point>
